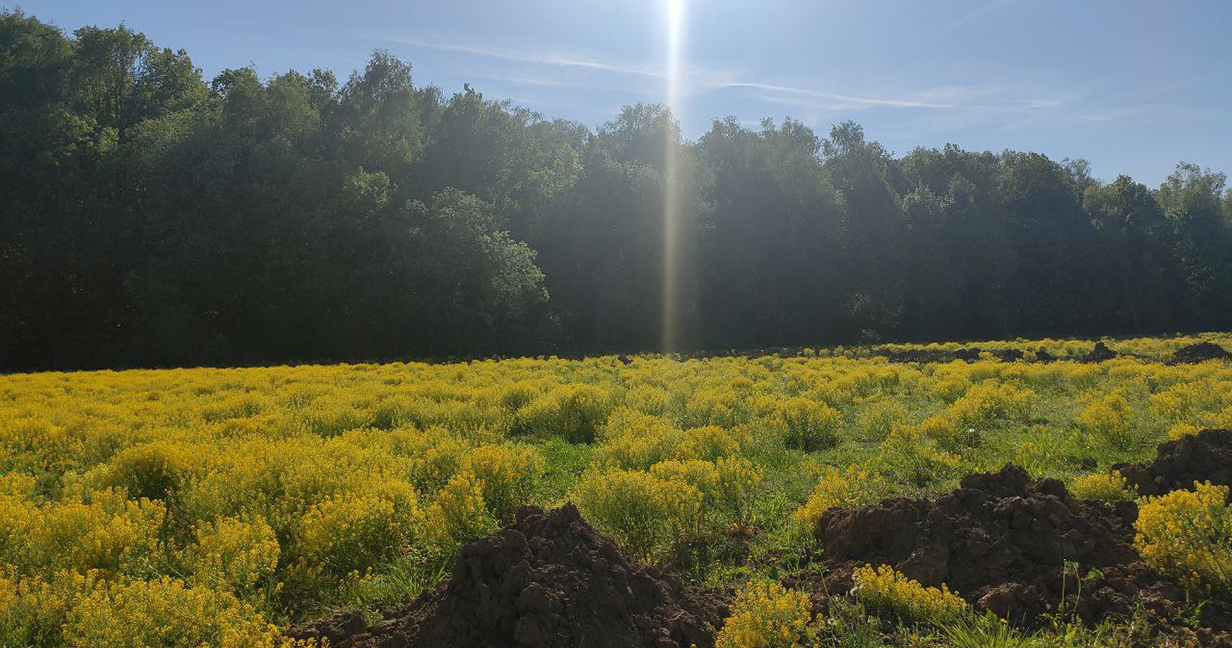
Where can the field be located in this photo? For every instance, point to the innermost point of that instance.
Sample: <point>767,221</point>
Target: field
<point>221,507</point>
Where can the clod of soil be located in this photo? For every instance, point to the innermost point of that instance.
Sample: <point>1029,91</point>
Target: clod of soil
<point>925,356</point>
<point>1002,541</point>
<point>1200,352</point>
<point>968,354</point>
<point>1100,353</point>
<point>1008,355</point>
<point>1204,457</point>
<point>548,580</point>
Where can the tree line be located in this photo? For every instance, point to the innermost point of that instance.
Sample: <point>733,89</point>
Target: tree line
<point>151,217</point>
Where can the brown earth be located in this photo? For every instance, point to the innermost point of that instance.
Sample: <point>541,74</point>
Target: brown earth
<point>1200,352</point>
<point>924,356</point>
<point>1205,456</point>
<point>972,354</point>
<point>548,580</point>
<point>1002,541</point>
<point>1012,545</point>
<point>1100,353</point>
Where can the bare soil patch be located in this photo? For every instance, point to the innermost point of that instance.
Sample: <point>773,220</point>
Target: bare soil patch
<point>1013,545</point>
<point>1200,352</point>
<point>547,580</point>
<point>1202,457</point>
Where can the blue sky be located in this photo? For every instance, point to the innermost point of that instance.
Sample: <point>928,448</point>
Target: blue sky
<point>1134,86</point>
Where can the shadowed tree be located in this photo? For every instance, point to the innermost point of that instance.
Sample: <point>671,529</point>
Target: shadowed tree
<point>148,217</point>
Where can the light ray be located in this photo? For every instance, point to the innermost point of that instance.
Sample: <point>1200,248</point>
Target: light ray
<point>671,193</point>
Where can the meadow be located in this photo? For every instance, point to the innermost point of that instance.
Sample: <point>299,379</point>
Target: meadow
<point>218,507</point>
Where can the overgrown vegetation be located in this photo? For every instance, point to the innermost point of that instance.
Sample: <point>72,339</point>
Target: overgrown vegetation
<point>236,501</point>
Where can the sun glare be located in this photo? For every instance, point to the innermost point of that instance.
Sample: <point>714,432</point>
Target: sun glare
<point>672,206</point>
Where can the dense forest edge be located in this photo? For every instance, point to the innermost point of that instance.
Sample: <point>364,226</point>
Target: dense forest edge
<point>151,217</point>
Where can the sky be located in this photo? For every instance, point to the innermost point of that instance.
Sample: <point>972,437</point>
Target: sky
<point>1133,86</point>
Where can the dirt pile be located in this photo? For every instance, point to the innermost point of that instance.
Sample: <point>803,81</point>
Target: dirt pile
<point>967,354</point>
<point>1200,352</point>
<point>1003,542</point>
<point>1205,456</point>
<point>548,580</point>
<point>1100,353</point>
<point>922,356</point>
<point>925,356</point>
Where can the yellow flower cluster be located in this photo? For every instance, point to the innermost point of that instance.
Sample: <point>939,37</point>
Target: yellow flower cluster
<point>279,489</point>
<point>885,590</point>
<point>1107,421</point>
<point>880,419</point>
<point>728,485</point>
<point>1105,487</point>
<point>991,400</point>
<point>851,487</point>
<point>102,531</point>
<point>458,514</point>
<point>808,425</point>
<point>509,474</point>
<point>767,615</point>
<point>355,533</point>
<point>574,411</point>
<point>915,458</point>
<point>164,612</point>
<point>76,609</point>
<point>1189,535</point>
<point>1199,401</point>
<point>648,514</point>
<point>233,555</point>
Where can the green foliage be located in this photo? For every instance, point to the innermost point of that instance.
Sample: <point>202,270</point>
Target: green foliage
<point>575,412</point>
<point>458,515</point>
<point>273,494</point>
<point>835,489</point>
<point>164,612</point>
<point>1189,535</point>
<point>644,512</point>
<point>234,555</point>
<point>380,218</point>
<point>509,474</point>
<point>1106,420</point>
<point>988,631</point>
<point>341,536</point>
<point>1104,487</point>
<point>767,615</point>
<point>885,590</point>
<point>808,425</point>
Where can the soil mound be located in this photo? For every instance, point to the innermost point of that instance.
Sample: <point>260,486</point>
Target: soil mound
<point>1009,355</point>
<point>1100,353</point>
<point>1200,352</point>
<point>548,580</point>
<point>1003,542</point>
<point>1205,456</point>
<point>922,356</point>
<point>925,356</point>
<point>966,354</point>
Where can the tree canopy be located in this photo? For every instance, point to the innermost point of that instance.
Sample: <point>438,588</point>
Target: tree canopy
<point>152,217</point>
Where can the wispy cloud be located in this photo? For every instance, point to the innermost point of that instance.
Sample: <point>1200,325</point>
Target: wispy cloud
<point>837,100</point>
<point>1116,114</point>
<point>978,12</point>
<point>539,58</point>
<point>697,79</point>
<point>1038,103</point>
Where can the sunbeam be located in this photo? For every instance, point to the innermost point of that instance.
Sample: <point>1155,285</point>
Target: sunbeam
<point>671,193</point>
